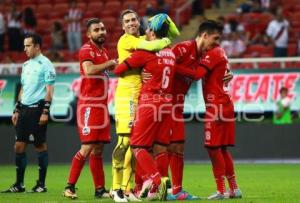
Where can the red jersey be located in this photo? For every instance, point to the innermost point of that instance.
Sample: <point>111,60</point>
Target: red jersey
<point>161,67</point>
<point>94,88</point>
<point>214,89</point>
<point>186,56</point>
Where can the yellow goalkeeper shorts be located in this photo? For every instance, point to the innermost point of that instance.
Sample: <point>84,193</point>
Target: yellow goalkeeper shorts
<point>126,99</point>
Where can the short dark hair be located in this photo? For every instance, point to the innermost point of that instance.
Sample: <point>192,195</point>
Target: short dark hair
<point>210,26</point>
<point>36,39</point>
<point>163,31</point>
<point>283,89</point>
<point>91,21</point>
<point>127,11</point>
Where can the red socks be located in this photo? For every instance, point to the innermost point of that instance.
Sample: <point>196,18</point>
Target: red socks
<point>147,164</point>
<point>229,170</point>
<point>162,163</point>
<point>218,166</point>
<point>176,166</point>
<point>96,168</point>
<point>76,167</point>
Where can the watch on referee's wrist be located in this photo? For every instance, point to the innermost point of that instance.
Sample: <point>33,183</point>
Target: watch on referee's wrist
<point>17,107</point>
<point>46,112</point>
<point>47,105</point>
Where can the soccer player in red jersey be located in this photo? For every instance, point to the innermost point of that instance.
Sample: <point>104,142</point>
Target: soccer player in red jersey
<point>219,115</point>
<point>92,113</point>
<point>153,117</point>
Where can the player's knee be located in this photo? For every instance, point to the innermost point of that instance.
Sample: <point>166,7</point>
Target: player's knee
<point>97,149</point>
<point>40,147</point>
<point>86,149</point>
<point>20,147</point>
<point>177,148</point>
<point>158,149</point>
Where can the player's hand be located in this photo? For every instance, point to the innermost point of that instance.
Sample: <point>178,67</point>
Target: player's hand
<point>145,76</point>
<point>114,63</point>
<point>227,77</point>
<point>14,118</point>
<point>44,119</point>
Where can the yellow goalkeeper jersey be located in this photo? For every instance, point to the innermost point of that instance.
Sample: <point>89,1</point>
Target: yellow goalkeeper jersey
<point>126,45</point>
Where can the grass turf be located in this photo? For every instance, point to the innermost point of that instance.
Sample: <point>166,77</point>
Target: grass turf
<point>258,182</point>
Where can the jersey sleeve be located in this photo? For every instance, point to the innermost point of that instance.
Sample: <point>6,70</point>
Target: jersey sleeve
<point>50,74</point>
<point>137,60</point>
<point>155,45</point>
<point>195,74</point>
<point>180,50</point>
<point>133,43</point>
<point>86,54</point>
<point>212,58</point>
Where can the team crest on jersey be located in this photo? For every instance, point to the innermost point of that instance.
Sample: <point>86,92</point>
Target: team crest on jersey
<point>86,130</point>
<point>92,54</point>
<point>31,138</point>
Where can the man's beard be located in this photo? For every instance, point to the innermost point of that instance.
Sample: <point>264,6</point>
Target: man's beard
<point>99,41</point>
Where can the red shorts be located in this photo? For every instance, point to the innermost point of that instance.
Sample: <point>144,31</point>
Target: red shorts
<point>178,132</point>
<point>93,123</point>
<point>219,129</point>
<point>151,127</point>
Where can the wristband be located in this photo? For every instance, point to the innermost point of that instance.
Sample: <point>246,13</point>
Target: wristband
<point>46,113</point>
<point>17,107</point>
<point>47,105</point>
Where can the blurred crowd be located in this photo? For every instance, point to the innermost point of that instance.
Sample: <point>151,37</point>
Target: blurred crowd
<point>262,28</point>
<point>66,33</point>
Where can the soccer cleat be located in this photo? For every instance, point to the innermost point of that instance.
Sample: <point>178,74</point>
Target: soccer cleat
<point>130,196</point>
<point>101,193</point>
<point>15,188</point>
<point>145,188</point>
<point>118,196</point>
<point>233,194</point>
<point>70,192</point>
<point>216,196</point>
<point>183,195</point>
<point>162,189</point>
<point>39,188</point>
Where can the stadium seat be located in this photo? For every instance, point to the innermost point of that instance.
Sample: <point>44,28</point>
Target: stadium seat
<point>292,49</point>
<point>43,9</point>
<point>108,13</point>
<point>95,7</point>
<point>269,65</point>
<point>25,2</point>
<point>61,8</point>
<point>109,23</point>
<point>143,4</point>
<point>45,2</point>
<point>47,41</point>
<point>82,6</point>
<point>114,6</point>
<point>132,4</point>
<point>43,26</point>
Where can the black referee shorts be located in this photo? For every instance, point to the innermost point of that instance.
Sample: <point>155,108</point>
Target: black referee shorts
<point>28,128</point>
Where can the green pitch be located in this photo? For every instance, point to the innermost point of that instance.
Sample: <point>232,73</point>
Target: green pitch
<point>259,183</point>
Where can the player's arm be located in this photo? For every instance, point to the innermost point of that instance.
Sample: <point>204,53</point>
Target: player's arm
<point>195,74</point>
<point>134,43</point>
<point>135,61</point>
<point>17,109</point>
<point>49,78</point>
<point>90,68</point>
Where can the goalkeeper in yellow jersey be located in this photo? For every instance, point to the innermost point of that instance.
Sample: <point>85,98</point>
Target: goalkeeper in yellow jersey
<point>126,98</point>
